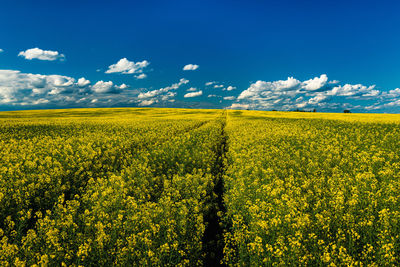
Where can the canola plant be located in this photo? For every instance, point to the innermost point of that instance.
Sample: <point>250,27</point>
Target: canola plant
<point>140,187</point>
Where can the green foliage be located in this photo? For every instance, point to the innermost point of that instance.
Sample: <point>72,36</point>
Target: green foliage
<point>312,192</point>
<point>149,187</point>
<point>118,190</point>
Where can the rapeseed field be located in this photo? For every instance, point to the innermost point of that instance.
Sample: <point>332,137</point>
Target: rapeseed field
<point>185,187</point>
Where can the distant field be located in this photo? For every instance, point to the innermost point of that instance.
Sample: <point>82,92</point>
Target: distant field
<point>186,187</point>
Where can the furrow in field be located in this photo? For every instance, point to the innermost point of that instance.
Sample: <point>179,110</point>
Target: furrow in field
<point>213,239</point>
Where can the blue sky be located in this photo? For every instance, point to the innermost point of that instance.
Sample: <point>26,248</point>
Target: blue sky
<point>328,55</point>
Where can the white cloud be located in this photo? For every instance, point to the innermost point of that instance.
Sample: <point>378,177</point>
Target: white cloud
<point>61,81</point>
<point>160,91</point>
<point>230,88</point>
<point>146,102</point>
<point>1,50</point>
<point>392,93</point>
<point>387,99</point>
<point>218,86</point>
<point>40,101</point>
<point>41,54</point>
<point>316,83</point>
<point>103,87</point>
<point>169,97</point>
<point>353,90</point>
<point>26,88</point>
<point>122,86</point>
<point>209,83</point>
<point>125,66</point>
<point>267,95</point>
<point>149,94</point>
<point>141,76</point>
<point>193,94</point>
<point>164,94</point>
<point>262,90</point>
<point>191,67</point>
<point>82,82</point>
<point>317,99</point>
<point>267,88</point>
<point>313,93</point>
<point>239,106</point>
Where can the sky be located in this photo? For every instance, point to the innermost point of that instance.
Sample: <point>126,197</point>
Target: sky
<point>262,55</point>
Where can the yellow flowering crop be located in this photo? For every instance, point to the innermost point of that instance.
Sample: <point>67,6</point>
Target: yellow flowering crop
<point>176,187</point>
<point>312,189</point>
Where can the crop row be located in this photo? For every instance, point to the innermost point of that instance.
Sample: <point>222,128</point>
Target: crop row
<point>312,192</point>
<point>117,192</point>
<point>187,188</point>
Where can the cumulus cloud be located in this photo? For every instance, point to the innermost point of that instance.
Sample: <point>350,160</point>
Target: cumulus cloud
<point>108,87</point>
<point>395,93</point>
<point>239,106</point>
<point>316,99</point>
<point>191,67</point>
<point>37,53</point>
<point>82,82</point>
<point>146,102</point>
<point>141,76</point>
<point>262,89</point>
<point>193,94</point>
<point>210,83</point>
<point>125,66</point>
<point>384,100</point>
<point>218,86</point>
<point>316,83</point>
<point>165,94</point>
<point>103,87</point>
<point>317,92</point>
<point>355,90</point>
<point>169,97</point>
<point>27,89</point>
<point>229,88</point>
<point>40,101</point>
<point>122,86</point>
<point>160,91</point>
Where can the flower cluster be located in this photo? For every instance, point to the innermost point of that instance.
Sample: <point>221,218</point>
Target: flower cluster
<point>312,191</point>
<point>106,187</point>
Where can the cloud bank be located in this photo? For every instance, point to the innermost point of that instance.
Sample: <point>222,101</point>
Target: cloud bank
<point>27,89</point>
<point>38,90</point>
<point>318,92</point>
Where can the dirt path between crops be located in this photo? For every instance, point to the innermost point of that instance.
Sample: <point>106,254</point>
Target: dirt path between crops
<point>213,239</point>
